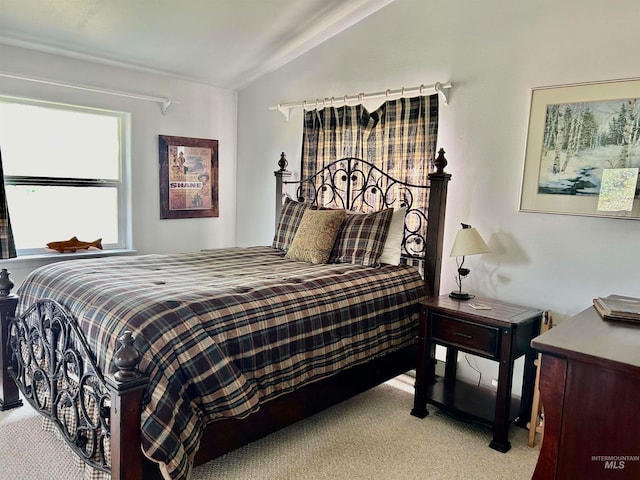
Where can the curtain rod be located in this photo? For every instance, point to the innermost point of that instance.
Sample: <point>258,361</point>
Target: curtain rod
<point>164,102</point>
<point>285,108</point>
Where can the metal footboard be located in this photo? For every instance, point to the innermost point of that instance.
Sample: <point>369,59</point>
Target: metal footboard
<point>46,356</point>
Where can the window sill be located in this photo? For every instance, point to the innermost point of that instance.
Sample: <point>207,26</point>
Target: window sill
<point>42,258</point>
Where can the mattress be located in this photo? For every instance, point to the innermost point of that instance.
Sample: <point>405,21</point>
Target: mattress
<point>223,331</point>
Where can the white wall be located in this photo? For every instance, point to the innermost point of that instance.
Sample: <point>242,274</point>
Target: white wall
<point>494,52</point>
<point>202,112</point>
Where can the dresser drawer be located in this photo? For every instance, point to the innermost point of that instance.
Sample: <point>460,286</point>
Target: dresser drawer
<point>474,338</point>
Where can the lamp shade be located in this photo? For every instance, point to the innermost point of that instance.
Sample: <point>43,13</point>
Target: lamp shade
<point>468,242</point>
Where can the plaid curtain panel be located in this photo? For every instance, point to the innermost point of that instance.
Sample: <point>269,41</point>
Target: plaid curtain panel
<point>399,138</point>
<point>328,135</point>
<point>7,244</point>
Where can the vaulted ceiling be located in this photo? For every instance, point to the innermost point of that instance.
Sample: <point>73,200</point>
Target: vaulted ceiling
<point>224,43</point>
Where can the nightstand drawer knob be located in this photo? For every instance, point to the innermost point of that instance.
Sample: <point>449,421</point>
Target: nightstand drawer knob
<point>463,335</point>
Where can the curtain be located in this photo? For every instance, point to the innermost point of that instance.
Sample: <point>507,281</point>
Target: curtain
<point>399,137</point>
<point>7,244</point>
<point>328,135</point>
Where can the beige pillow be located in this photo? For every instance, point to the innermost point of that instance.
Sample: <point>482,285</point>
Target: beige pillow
<point>392,250</point>
<point>315,236</point>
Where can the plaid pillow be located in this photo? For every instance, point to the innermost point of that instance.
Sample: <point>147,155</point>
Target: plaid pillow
<point>290,217</point>
<point>361,238</point>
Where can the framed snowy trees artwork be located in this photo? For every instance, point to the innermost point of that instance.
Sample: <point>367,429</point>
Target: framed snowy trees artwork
<point>188,177</point>
<point>583,150</point>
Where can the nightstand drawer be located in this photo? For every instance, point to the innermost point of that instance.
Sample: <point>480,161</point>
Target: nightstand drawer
<point>469,336</point>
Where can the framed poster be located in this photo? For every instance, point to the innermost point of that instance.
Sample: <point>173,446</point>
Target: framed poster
<point>188,177</point>
<point>583,150</point>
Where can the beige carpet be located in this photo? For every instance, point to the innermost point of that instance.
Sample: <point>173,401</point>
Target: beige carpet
<point>371,436</point>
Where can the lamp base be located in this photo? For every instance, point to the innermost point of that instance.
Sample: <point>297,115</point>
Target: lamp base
<point>460,295</point>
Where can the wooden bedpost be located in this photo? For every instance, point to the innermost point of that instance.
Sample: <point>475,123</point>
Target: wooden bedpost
<point>281,175</point>
<point>126,386</point>
<point>9,393</point>
<point>438,182</point>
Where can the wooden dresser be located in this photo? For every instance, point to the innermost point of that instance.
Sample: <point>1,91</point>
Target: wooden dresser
<point>590,390</point>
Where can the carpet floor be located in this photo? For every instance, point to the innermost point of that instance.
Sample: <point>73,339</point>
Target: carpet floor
<point>371,436</point>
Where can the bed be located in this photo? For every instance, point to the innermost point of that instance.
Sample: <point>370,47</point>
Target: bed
<point>149,365</point>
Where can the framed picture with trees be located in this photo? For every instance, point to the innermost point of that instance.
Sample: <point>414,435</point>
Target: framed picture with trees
<point>583,150</point>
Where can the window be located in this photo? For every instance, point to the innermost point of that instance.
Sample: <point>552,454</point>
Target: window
<point>65,169</point>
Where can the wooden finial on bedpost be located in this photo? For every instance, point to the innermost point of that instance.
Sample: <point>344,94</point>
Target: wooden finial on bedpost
<point>126,359</point>
<point>440,162</point>
<point>280,179</point>
<point>438,182</point>
<point>282,163</point>
<point>126,387</point>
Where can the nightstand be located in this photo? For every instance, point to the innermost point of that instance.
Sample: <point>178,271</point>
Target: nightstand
<point>502,333</point>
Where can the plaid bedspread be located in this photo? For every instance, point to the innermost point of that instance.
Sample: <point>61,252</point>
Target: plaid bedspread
<point>224,330</point>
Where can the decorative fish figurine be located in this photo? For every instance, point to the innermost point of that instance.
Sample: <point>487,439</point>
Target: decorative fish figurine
<point>74,244</point>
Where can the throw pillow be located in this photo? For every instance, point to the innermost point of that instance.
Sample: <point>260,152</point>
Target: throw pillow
<point>315,235</point>
<point>290,217</point>
<point>361,238</point>
<point>393,244</point>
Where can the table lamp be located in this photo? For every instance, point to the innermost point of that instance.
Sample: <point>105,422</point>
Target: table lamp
<point>468,242</point>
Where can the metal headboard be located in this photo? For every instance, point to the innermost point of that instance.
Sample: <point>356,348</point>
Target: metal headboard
<point>358,185</point>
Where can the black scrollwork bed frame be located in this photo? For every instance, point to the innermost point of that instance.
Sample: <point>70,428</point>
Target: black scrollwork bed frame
<point>45,356</point>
